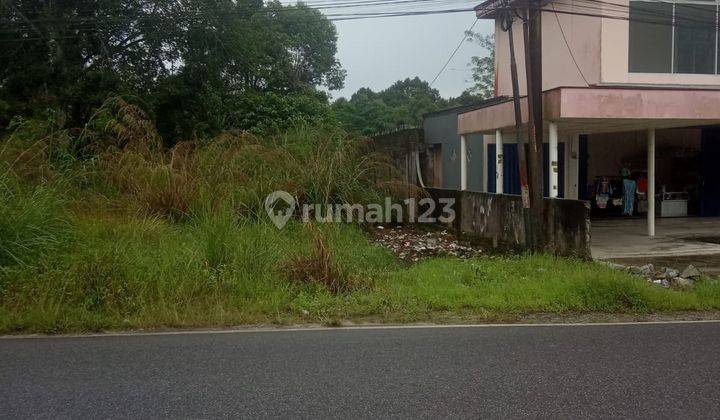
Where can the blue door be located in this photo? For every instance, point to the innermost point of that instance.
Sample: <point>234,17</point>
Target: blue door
<point>511,169</point>
<point>583,168</point>
<point>710,172</point>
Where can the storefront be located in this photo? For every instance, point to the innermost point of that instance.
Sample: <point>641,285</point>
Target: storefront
<point>626,150</point>
<point>615,171</point>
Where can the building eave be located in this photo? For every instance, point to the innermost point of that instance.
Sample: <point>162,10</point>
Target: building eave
<point>465,108</point>
<point>590,110</point>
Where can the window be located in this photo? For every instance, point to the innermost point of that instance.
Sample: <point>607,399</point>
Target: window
<point>651,37</point>
<point>673,37</point>
<point>694,38</point>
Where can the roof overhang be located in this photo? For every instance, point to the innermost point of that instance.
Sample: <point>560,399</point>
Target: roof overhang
<point>590,110</point>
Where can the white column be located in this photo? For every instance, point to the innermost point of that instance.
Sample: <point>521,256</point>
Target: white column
<point>553,159</point>
<point>498,162</point>
<point>463,163</point>
<point>651,182</point>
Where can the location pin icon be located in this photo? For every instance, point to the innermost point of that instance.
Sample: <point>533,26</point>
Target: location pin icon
<point>280,218</point>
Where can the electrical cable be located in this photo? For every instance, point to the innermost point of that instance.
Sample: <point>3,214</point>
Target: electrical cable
<point>454,52</point>
<point>91,24</point>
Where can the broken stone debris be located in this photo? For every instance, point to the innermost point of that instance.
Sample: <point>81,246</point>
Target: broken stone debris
<point>682,282</point>
<point>411,244</point>
<point>663,277</point>
<point>690,272</point>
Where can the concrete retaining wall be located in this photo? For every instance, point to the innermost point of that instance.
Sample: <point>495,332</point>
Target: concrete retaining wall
<point>497,221</point>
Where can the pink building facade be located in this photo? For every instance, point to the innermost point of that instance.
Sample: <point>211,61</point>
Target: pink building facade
<point>631,97</point>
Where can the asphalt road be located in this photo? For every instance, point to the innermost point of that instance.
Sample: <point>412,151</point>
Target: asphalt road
<point>649,371</point>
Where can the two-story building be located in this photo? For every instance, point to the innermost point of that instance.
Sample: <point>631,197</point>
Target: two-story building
<point>631,90</point>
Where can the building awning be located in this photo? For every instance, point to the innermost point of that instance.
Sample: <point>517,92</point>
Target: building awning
<point>605,109</point>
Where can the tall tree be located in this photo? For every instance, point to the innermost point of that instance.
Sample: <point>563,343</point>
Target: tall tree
<point>483,66</point>
<point>200,55</point>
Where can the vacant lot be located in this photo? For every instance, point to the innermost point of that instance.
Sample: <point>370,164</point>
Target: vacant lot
<point>107,228</point>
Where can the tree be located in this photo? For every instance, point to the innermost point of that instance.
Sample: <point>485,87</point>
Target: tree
<point>483,67</point>
<point>400,105</point>
<point>187,62</point>
<point>365,113</point>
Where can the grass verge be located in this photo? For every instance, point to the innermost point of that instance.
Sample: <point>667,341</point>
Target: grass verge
<point>137,272</point>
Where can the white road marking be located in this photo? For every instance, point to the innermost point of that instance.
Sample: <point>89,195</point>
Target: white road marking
<point>351,328</point>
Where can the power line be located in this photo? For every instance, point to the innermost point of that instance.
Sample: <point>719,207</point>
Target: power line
<point>370,3</point>
<point>454,51</point>
<point>91,24</point>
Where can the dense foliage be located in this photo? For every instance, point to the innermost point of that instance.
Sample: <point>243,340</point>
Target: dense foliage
<point>197,66</point>
<point>400,105</point>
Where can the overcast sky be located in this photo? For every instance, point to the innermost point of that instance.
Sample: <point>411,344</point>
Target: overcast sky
<point>378,52</point>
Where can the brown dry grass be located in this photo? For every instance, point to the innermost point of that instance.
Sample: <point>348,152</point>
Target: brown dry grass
<point>320,268</point>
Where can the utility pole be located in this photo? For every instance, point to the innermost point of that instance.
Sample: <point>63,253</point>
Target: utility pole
<point>532,30</point>
<point>506,25</point>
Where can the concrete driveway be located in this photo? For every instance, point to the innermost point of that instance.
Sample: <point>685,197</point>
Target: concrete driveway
<point>678,242</point>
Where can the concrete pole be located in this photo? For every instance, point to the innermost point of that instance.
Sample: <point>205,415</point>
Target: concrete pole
<point>651,182</point>
<point>553,159</point>
<point>463,163</point>
<point>498,162</point>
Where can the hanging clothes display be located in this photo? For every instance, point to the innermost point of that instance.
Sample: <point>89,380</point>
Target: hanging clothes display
<point>601,200</point>
<point>629,188</point>
<point>603,191</point>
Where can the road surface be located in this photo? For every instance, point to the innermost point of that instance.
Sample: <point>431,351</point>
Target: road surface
<point>651,370</point>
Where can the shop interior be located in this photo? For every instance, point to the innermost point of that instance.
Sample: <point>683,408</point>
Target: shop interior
<point>616,173</point>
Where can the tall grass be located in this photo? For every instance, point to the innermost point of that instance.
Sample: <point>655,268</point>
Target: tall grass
<point>31,220</point>
<point>315,164</point>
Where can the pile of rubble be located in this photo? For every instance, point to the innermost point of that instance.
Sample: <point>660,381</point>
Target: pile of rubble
<point>663,277</point>
<point>411,244</point>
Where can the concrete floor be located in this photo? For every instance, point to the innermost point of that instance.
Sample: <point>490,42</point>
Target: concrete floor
<point>678,241</point>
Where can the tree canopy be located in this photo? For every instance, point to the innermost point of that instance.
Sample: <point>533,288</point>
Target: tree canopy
<point>194,64</point>
<point>400,105</point>
<point>483,67</point>
<point>198,67</point>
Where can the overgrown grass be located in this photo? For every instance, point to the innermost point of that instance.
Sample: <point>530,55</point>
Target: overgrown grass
<point>151,273</point>
<point>31,220</point>
<point>104,228</point>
